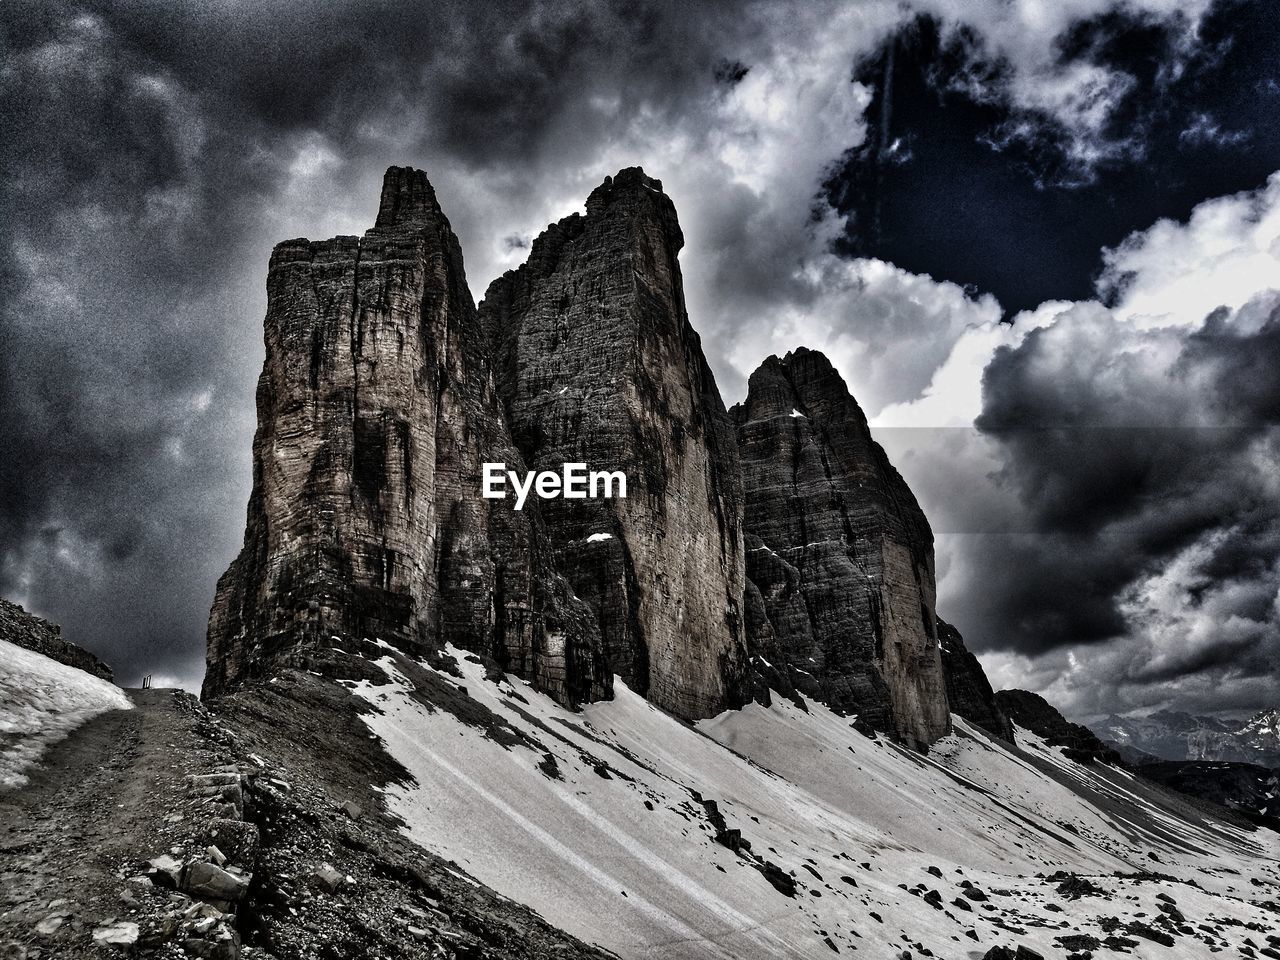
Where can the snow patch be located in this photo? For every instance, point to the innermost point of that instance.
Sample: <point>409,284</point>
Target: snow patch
<point>41,701</point>
<point>597,537</point>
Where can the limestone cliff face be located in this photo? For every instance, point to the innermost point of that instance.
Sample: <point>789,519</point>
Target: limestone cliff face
<point>839,555</point>
<point>969,693</point>
<point>385,390</point>
<point>597,363</point>
<point>376,408</point>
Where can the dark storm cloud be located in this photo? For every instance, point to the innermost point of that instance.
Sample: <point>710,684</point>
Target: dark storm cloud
<point>1183,121</point>
<point>144,150</point>
<point>1145,462</point>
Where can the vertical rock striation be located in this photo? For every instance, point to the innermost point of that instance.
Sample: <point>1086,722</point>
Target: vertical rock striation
<point>969,691</point>
<point>376,408</point>
<point>597,364</point>
<point>839,555</point>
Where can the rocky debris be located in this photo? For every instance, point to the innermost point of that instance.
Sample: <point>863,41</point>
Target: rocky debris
<point>778,878</point>
<point>732,839</point>
<point>352,809</point>
<point>1032,711</point>
<point>209,883</point>
<point>327,878</point>
<point>32,633</point>
<point>1010,953</point>
<point>376,409</point>
<point>327,884</point>
<point>114,824</point>
<point>597,364</point>
<point>1074,887</point>
<point>235,840</point>
<point>171,874</point>
<point>1077,942</point>
<point>840,604</point>
<point>969,692</point>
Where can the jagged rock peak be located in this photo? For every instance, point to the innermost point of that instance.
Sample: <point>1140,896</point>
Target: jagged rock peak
<point>840,604</point>
<point>629,184</point>
<point>408,200</point>
<point>801,377</point>
<point>376,410</point>
<point>597,363</point>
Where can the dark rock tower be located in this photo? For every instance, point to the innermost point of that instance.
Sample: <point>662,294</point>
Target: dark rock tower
<point>376,408</point>
<point>597,363</point>
<point>969,692</point>
<point>839,555</point>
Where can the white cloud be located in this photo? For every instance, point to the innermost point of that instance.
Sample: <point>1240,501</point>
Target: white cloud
<point>1175,273</point>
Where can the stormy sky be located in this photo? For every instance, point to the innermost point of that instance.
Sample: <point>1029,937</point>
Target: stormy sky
<point>1041,241</point>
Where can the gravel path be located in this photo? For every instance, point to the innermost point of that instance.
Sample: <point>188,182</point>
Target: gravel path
<point>93,810</point>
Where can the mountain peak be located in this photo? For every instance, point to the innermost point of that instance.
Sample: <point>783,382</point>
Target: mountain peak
<point>408,200</point>
<point>631,191</point>
<point>819,490</point>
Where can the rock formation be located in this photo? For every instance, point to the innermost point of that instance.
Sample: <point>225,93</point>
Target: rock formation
<point>839,554</point>
<point>597,364</point>
<point>385,391</point>
<point>969,692</point>
<point>1032,711</point>
<point>376,408</point>
<point>33,633</point>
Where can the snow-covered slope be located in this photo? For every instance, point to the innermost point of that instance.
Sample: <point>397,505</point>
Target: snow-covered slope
<point>41,701</point>
<point>618,824</point>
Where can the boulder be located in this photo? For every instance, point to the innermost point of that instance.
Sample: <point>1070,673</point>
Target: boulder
<point>204,879</point>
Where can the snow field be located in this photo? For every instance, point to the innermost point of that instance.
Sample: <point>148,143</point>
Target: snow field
<point>41,701</point>
<point>591,818</point>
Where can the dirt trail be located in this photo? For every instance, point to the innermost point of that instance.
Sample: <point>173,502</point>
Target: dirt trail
<point>93,811</point>
<point>252,831</point>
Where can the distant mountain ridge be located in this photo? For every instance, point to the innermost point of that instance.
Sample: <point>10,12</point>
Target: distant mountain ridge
<point>1177,735</point>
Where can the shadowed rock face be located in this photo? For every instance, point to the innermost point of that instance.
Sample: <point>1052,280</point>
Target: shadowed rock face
<point>1032,711</point>
<point>376,408</point>
<point>969,692</point>
<point>597,363</point>
<point>838,553</point>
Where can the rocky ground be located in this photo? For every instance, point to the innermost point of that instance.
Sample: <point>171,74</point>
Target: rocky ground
<point>169,831</point>
<point>268,827</point>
